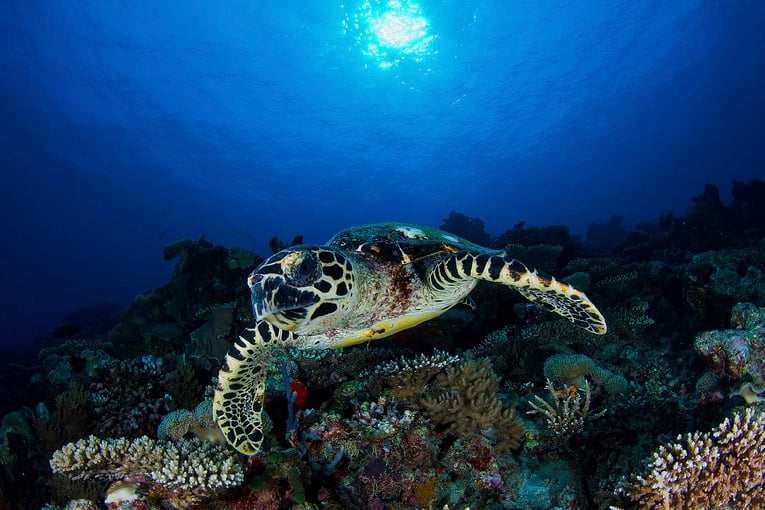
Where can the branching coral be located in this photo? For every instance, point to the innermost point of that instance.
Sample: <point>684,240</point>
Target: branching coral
<point>183,385</point>
<point>566,412</point>
<point>719,469</point>
<point>68,421</point>
<point>181,473</point>
<point>466,402</point>
<point>409,377</point>
<point>126,398</point>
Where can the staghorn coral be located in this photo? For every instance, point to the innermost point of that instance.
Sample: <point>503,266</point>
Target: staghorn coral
<point>719,469</point>
<point>565,413</point>
<point>181,473</point>
<point>572,369</point>
<point>465,401</point>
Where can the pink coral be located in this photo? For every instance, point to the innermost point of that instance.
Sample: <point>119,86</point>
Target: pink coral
<point>740,351</point>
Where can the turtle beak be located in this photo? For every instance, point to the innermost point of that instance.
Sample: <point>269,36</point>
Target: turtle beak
<point>258,296</point>
<point>277,302</point>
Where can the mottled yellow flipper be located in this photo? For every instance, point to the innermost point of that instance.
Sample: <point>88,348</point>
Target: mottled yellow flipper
<point>238,400</point>
<point>534,285</point>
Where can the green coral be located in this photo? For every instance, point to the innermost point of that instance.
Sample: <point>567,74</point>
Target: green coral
<point>211,339</point>
<point>572,369</point>
<point>199,422</point>
<point>239,258</point>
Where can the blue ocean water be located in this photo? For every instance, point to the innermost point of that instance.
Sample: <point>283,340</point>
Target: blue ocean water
<point>128,125</point>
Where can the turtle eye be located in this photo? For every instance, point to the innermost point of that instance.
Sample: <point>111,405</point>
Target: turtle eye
<point>301,268</point>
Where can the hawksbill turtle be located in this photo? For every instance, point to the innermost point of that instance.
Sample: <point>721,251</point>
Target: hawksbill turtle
<point>367,282</point>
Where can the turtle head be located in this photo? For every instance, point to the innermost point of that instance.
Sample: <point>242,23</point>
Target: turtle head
<point>302,288</point>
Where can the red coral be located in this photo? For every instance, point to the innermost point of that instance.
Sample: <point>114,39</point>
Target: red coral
<point>301,393</point>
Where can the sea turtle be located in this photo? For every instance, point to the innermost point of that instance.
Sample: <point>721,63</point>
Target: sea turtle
<point>367,282</point>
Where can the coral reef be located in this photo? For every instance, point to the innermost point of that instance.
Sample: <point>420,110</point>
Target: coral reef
<point>127,399</point>
<point>416,420</point>
<point>740,351</point>
<point>566,413</point>
<point>206,294</point>
<point>541,256</point>
<point>180,473</point>
<point>466,227</point>
<point>707,224</point>
<point>601,238</point>
<point>713,281</point>
<point>465,402</point>
<point>554,239</point>
<point>69,420</point>
<point>572,369</point>
<point>198,422</point>
<point>718,469</point>
<point>409,377</point>
<point>212,338</point>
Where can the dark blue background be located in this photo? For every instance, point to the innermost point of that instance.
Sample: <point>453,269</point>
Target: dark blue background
<point>128,125</point>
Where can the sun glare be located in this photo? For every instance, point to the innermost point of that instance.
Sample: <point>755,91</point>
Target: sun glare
<point>390,31</point>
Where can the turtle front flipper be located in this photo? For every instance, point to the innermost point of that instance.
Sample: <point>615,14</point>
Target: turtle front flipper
<point>239,395</point>
<point>534,285</point>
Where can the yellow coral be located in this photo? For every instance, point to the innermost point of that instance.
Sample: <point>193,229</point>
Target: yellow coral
<point>465,401</point>
<point>199,422</point>
<point>425,491</point>
<point>573,368</point>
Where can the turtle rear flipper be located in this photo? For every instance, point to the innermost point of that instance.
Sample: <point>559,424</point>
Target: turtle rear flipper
<point>534,285</point>
<point>239,395</point>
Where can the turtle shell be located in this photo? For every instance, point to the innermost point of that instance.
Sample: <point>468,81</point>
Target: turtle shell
<point>399,243</point>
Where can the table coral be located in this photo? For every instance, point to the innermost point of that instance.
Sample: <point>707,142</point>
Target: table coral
<point>739,351</point>
<point>181,473</point>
